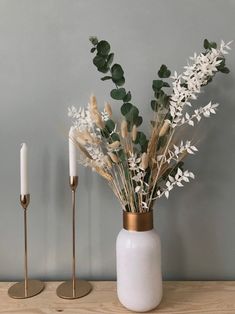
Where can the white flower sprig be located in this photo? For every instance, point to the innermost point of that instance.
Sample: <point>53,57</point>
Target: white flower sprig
<point>177,180</point>
<point>205,111</point>
<point>175,154</point>
<point>81,118</point>
<point>187,85</point>
<point>83,124</point>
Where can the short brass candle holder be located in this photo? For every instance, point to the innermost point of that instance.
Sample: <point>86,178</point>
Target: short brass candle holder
<point>27,288</point>
<point>73,289</point>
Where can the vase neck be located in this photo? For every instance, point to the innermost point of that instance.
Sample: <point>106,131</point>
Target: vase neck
<point>138,221</point>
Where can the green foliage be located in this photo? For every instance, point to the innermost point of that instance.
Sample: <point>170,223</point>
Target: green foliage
<point>115,137</point>
<point>154,105</point>
<point>138,121</point>
<point>117,72</point>
<point>127,97</point>
<point>164,72</point>
<point>158,84</point>
<point>225,70</point>
<point>209,45</point>
<point>125,108</point>
<point>103,48</point>
<point>162,99</point>
<point>142,141</point>
<point>132,115</point>
<point>99,61</point>
<point>110,59</point>
<point>110,125</point>
<point>121,154</point>
<point>105,78</point>
<point>103,61</point>
<point>118,93</point>
<point>222,66</point>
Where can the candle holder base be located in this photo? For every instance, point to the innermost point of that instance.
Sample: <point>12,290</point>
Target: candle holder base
<point>17,291</point>
<point>65,290</point>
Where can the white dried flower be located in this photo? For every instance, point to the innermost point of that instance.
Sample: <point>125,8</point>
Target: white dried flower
<point>187,85</point>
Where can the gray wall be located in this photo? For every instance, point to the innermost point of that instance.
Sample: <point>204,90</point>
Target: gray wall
<point>45,65</point>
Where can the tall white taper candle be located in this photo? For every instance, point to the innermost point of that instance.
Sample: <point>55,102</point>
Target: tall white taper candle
<point>72,154</point>
<point>24,184</point>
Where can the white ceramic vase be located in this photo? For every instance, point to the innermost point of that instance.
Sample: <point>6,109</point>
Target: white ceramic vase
<point>138,256</point>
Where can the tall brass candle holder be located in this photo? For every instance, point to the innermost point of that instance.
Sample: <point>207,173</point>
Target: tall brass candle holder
<point>27,288</point>
<point>74,288</point>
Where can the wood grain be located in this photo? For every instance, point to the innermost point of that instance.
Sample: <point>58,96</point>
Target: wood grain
<point>191,297</point>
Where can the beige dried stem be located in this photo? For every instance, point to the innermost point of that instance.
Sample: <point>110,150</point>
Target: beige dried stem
<point>113,157</point>
<point>103,173</point>
<point>81,147</point>
<point>93,102</point>
<point>144,161</point>
<point>114,145</point>
<point>134,133</point>
<point>124,130</point>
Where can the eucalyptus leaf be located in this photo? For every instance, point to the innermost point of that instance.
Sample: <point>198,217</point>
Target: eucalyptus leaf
<point>138,121</point>
<point>127,97</point>
<point>144,146</point>
<point>119,82</point>
<point>99,61</point>
<point>213,44</point>
<point>154,105</point>
<point>118,94</point>
<point>164,72</point>
<point>140,138</point>
<point>110,59</point>
<point>132,114</point>
<point>206,44</point>
<point>157,85</point>
<point>225,70</point>
<point>125,108</point>
<point>110,125</point>
<point>105,78</point>
<point>121,155</point>
<point>117,72</point>
<point>103,69</point>
<point>103,48</point>
<point>115,137</point>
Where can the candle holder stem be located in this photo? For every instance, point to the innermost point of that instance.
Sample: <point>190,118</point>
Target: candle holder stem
<point>74,288</point>
<point>25,253</point>
<point>27,288</point>
<point>74,245</point>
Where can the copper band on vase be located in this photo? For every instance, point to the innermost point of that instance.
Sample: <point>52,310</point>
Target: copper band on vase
<point>138,221</point>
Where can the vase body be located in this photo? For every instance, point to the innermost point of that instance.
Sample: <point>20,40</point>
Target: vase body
<point>138,254</point>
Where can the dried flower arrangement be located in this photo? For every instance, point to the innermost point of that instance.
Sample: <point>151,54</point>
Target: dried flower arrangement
<point>139,169</point>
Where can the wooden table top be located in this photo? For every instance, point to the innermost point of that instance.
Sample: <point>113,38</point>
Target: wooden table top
<point>186,297</point>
